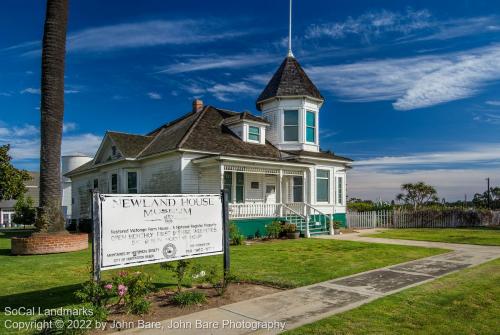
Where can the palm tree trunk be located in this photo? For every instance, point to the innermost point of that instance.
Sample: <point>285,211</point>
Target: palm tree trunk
<point>50,218</point>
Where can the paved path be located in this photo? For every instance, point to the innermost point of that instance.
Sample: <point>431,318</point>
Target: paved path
<point>307,304</point>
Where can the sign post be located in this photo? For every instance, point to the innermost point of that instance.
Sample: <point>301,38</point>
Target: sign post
<point>225,222</point>
<point>139,229</point>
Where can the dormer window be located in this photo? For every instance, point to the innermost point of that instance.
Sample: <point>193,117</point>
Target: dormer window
<point>310,127</point>
<point>291,126</point>
<point>254,134</point>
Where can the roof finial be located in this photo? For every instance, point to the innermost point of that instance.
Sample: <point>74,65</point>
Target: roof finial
<point>290,53</point>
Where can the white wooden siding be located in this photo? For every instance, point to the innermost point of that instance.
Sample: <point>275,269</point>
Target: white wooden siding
<point>162,175</point>
<point>210,179</point>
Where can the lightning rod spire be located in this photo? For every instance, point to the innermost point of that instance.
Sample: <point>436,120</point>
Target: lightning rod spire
<point>290,53</point>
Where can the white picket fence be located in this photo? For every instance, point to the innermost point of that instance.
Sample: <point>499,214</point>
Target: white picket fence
<point>411,219</point>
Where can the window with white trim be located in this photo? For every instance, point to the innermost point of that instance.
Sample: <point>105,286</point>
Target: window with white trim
<point>254,133</point>
<point>340,190</point>
<point>310,127</point>
<point>298,189</point>
<point>291,125</point>
<point>131,181</point>
<point>114,183</point>
<point>322,185</point>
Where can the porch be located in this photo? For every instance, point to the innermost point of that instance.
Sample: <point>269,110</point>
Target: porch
<point>267,191</point>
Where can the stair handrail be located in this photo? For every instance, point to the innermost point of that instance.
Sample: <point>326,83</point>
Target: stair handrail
<point>329,216</point>
<point>307,234</point>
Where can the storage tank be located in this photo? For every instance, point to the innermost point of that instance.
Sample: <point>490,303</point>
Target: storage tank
<point>69,163</point>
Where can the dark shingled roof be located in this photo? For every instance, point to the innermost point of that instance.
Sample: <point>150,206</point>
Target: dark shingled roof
<point>321,154</point>
<point>130,145</point>
<point>289,80</point>
<point>209,134</point>
<point>245,116</point>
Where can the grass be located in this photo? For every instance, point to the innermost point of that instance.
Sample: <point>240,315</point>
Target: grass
<point>466,302</point>
<point>48,281</point>
<point>479,235</point>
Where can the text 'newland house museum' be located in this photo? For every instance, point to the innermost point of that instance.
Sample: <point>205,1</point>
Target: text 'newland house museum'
<point>271,165</point>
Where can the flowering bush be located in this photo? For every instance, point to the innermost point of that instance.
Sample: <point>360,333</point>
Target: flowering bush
<point>125,289</point>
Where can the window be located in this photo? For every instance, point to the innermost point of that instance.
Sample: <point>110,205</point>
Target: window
<point>228,185</point>
<point>131,182</point>
<point>96,184</point>
<point>114,183</point>
<point>254,185</point>
<point>311,127</point>
<point>322,185</point>
<point>113,150</point>
<point>254,133</point>
<point>298,189</point>
<point>340,190</point>
<point>6,219</point>
<point>240,186</point>
<point>291,125</point>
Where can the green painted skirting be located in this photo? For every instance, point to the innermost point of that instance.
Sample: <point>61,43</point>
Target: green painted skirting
<point>253,227</point>
<point>342,218</point>
<point>257,226</point>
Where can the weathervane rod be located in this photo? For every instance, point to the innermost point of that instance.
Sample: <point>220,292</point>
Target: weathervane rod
<point>290,53</point>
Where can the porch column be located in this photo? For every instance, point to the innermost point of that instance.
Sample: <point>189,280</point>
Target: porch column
<point>221,175</point>
<point>279,192</point>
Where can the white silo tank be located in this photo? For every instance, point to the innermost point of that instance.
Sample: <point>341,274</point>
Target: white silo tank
<point>69,163</point>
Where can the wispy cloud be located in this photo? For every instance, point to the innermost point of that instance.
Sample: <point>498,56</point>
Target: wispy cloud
<point>210,62</point>
<point>30,90</point>
<point>493,102</point>
<point>68,127</point>
<point>373,24</point>
<point>407,26</point>
<point>414,82</point>
<point>139,34</point>
<point>154,95</point>
<point>451,184</point>
<point>475,153</point>
<point>229,91</point>
<point>25,142</point>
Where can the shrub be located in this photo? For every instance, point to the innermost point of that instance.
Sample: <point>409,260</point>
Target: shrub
<point>129,289</point>
<point>274,229</point>
<point>180,269</point>
<point>234,234</point>
<point>289,228</point>
<point>77,323</point>
<point>336,224</point>
<point>25,213</point>
<point>132,289</point>
<point>215,277</point>
<point>188,298</point>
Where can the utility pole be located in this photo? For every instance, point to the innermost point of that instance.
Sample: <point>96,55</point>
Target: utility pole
<point>488,191</point>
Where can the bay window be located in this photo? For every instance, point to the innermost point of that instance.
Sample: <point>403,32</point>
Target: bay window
<point>310,127</point>
<point>291,125</point>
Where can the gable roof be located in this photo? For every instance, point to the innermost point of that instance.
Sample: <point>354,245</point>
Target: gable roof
<point>320,154</point>
<point>130,145</point>
<point>199,131</point>
<point>289,80</point>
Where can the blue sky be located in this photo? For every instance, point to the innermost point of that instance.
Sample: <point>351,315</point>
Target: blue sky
<point>411,87</point>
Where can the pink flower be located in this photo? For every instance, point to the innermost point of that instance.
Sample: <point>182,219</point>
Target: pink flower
<point>122,290</point>
<point>108,286</point>
<point>122,273</point>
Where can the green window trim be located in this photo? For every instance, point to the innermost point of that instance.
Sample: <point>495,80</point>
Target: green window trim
<point>228,185</point>
<point>323,186</point>
<point>291,125</point>
<point>240,187</point>
<point>254,133</point>
<point>311,127</point>
<point>234,183</point>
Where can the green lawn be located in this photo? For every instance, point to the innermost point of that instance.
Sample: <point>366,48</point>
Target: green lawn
<point>466,302</point>
<point>480,235</point>
<point>49,281</point>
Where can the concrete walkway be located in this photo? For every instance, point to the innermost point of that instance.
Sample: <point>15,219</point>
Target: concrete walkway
<point>307,304</point>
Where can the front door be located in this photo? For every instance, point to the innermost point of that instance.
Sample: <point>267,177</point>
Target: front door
<point>270,190</point>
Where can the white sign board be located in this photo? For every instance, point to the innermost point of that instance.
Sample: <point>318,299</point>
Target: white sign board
<point>143,229</point>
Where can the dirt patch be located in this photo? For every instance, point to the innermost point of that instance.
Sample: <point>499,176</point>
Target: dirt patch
<point>162,309</point>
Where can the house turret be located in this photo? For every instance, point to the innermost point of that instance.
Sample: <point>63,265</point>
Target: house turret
<point>291,104</point>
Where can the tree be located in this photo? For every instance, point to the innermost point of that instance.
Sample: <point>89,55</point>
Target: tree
<point>481,199</point>
<point>50,217</point>
<point>11,179</point>
<point>24,212</point>
<point>417,194</point>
